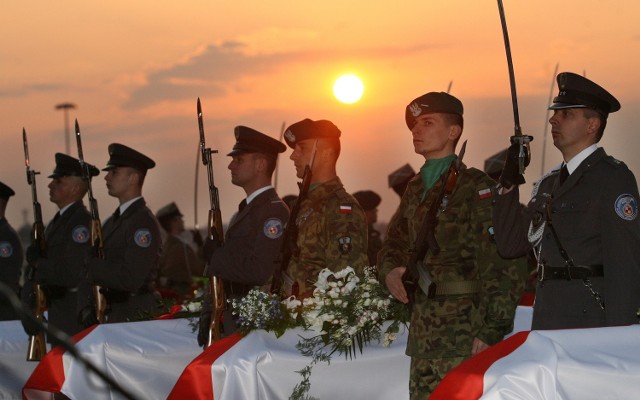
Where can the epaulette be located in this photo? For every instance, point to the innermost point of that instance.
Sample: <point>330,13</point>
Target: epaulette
<point>614,161</point>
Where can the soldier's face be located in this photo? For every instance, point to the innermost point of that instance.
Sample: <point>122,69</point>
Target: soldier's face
<point>301,156</point>
<point>63,190</point>
<point>572,131</point>
<point>118,181</point>
<point>432,137</point>
<point>243,169</point>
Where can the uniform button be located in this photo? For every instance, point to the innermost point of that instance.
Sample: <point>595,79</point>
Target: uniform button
<point>584,310</point>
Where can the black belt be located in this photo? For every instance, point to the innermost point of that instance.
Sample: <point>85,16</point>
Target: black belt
<point>546,272</point>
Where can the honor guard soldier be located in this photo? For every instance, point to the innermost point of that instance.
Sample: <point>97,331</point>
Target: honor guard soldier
<point>11,255</point>
<point>332,227</point>
<point>470,294</point>
<point>179,262</point>
<point>254,235</point>
<point>60,269</point>
<point>132,241</point>
<point>369,200</point>
<point>582,221</point>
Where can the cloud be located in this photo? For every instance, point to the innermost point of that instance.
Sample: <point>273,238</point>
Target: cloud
<point>217,69</point>
<point>28,89</point>
<point>212,70</point>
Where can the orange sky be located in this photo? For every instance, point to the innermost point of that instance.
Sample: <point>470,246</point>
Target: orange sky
<point>135,69</point>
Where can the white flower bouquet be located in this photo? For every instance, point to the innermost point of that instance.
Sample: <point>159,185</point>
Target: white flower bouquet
<point>347,312</point>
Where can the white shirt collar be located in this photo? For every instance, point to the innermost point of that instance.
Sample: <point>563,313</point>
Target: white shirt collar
<point>257,192</point>
<point>575,162</point>
<point>65,208</point>
<point>124,206</point>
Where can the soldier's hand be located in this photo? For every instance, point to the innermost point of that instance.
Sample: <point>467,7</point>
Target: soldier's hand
<point>393,280</point>
<point>478,346</point>
<point>511,172</point>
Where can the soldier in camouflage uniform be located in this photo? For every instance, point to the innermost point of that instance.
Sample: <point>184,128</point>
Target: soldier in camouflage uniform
<point>332,228</point>
<point>476,291</point>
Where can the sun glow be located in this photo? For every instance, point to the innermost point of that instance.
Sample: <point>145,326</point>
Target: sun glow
<point>348,88</point>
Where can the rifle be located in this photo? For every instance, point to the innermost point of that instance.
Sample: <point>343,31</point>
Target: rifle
<point>290,236</point>
<point>416,273</point>
<point>524,154</point>
<point>37,347</point>
<point>215,235</point>
<point>97,241</point>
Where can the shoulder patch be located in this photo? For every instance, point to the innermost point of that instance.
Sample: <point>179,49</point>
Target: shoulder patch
<point>626,207</point>
<point>142,237</point>
<point>344,245</point>
<point>345,208</point>
<point>6,249</point>
<point>273,228</point>
<point>80,234</point>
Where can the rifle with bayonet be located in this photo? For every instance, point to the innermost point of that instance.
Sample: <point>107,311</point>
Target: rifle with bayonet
<point>416,274</point>
<point>215,237</point>
<point>37,346</point>
<point>518,139</point>
<point>97,242</point>
<point>290,236</point>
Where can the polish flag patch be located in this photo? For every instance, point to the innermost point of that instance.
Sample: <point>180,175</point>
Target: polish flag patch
<point>345,209</point>
<point>484,193</point>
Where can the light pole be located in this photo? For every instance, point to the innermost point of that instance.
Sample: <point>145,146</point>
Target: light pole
<point>66,107</point>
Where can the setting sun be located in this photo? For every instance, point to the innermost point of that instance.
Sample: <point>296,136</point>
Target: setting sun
<point>348,88</point>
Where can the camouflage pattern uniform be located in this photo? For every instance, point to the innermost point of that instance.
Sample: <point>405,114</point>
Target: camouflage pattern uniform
<point>443,328</point>
<point>332,234</point>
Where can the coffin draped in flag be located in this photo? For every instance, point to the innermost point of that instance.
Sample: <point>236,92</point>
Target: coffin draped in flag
<point>596,363</point>
<point>261,366</point>
<point>145,358</point>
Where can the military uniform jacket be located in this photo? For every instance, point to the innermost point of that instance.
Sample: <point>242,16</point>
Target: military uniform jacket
<point>332,233</point>
<point>11,256</point>
<point>179,263</point>
<point>595,213</point>
<point>67,241</point>
<point>446,325</point>
<point>132,245</point>
<point>252,242</point>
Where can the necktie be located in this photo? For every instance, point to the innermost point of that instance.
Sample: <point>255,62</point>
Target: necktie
<point>56,218</point>
<point>564,174</point>
<point>242,205</point>
<point>116,214</point>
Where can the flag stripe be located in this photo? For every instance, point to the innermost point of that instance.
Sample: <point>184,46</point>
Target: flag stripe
<point>191,384</point>
<point>466,381</point>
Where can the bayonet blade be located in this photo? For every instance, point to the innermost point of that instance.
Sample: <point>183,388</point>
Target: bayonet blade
<point>461,155</point>
<point>201,128</point>
<point>26,147</point>
<point>79,143</point>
